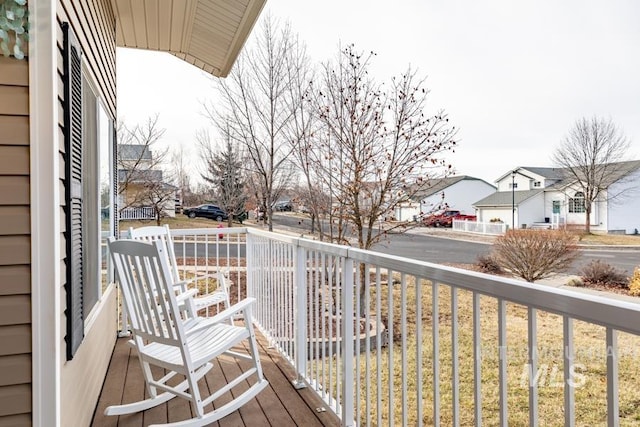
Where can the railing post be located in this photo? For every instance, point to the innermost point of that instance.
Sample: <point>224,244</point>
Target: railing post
<point>300,313</point>
<point>348,334</point>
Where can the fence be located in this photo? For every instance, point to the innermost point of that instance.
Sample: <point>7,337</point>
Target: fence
<point>479,227</point>
<point>387,340</point>
<point>133,213</point>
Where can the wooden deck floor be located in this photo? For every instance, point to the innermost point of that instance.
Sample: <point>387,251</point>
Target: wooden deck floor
<point>278,405</point>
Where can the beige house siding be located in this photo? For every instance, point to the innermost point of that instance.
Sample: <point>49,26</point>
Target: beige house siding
<point>15,256</point>
<point>81,378</point>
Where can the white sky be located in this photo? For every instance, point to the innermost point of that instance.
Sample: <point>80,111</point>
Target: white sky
<point>512,75</point>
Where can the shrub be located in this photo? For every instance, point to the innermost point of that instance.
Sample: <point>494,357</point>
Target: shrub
<point>488,264</point>
<point>634,282</point>
<point>535,254</point>
<point>601,273</point>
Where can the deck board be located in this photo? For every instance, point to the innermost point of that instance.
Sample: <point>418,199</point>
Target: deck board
<point>278,405</point>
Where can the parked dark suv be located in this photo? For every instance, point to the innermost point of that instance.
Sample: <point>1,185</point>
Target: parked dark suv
<point>206,211</point>
<point>283,206</point>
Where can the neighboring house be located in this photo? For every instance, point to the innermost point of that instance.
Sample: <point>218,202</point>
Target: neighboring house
<point>456,192</point>
<point>533,196</point>
<point>58,108</point>
<point>139,184</point>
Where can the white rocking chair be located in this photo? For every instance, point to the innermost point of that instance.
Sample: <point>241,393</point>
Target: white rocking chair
<point>162,233</point>
<point>182,346</point>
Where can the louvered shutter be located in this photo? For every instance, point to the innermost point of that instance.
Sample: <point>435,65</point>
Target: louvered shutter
<point>73,189</point>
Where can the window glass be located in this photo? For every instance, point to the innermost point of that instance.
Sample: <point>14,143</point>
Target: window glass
<point>107,226</point>
<point>90,223</point>
<point>556,206</point>
<point>576,203</point>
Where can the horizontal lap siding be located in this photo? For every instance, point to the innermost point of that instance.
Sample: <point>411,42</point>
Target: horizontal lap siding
<point>93,23</point>
<point>15,244</point>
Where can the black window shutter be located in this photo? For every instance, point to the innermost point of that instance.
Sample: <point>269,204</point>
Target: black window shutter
<point>73,189</point>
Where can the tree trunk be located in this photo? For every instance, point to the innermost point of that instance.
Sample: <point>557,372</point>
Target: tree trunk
<point>587,224</point>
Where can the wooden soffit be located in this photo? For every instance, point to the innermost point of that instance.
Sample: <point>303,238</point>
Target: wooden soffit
<point>206,33</point>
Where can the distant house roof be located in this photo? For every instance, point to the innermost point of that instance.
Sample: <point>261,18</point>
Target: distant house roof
<point>506,198</point>
<point>143,175</point>
<point>134,152</point>
<point>437,185</point>
<point>549,173</point>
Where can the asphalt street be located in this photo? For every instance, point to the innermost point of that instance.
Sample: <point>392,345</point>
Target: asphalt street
<point>442,250</point>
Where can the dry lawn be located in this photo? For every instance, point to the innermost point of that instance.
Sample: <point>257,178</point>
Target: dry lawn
<point>590,364</point>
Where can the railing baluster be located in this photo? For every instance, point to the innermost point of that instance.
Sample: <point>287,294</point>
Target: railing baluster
<point>502,370</point>
<point>532,344</point>
<point>390,373</point>
<point>455,371</point>
<point>367,344</point>
<point>435,315</point>
<point>419,375</point>
<point>403,331</point>
<point>358,284</point>
<point>348,309</point>
<point>300,314</point>
<point>613,400</point>
<point>379,345</point>
<point>477,362</point>
<point>569,395</point>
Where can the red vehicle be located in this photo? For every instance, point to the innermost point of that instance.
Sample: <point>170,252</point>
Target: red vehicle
<point>445,218</point>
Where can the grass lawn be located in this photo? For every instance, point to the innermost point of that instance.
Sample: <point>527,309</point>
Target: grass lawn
<point>589,364</point>
<point>610,239</point>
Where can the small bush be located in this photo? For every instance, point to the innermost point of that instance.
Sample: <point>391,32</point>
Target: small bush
<point>601,273</point>
<point>535,254</point>
<point>488,264</point>
<point>575,281</point>
<point>634,282</point>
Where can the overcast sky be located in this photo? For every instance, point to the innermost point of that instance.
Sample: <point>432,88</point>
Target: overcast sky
<point>512,75</point>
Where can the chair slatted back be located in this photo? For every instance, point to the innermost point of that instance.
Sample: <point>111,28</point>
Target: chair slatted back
<point>155,233</point>
<point>147,286</point>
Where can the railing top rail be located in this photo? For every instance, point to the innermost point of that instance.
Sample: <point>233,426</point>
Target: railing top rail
<point>601,310</point>
<point>207,231</point>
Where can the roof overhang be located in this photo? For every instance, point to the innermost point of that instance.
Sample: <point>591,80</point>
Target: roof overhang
<point>206,33</point>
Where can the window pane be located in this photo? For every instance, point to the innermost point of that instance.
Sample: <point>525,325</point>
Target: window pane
<point>105,149</point>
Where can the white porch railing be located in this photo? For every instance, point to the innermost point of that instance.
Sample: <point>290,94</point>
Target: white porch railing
<point>479,227</point>
<point>133,213</point>
<point>387,340</point>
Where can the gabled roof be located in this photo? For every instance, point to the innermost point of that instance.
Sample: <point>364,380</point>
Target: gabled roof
<point>437,185</point>
<point>506,198</point>
<point>134,152</point>
<point>206,33</point>
<point>548,173</point>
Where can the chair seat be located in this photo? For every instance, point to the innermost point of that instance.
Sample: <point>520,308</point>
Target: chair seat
<point>203,345</point>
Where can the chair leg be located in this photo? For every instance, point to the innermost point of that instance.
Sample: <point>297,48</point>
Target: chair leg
<point>253,346</point>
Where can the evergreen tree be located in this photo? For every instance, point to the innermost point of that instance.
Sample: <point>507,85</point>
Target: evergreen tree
<point>224,172</point>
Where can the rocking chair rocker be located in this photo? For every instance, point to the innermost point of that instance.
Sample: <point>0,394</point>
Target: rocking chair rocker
<point>182,346</point>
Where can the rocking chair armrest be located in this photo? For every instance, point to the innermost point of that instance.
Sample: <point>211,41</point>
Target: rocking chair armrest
<point>224,314</point>
<point>186,295</point>
<point>200,277</point>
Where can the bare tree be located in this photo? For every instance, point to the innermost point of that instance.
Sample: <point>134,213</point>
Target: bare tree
<point>142,182</point>
<point>591,156</point>
<point>225,173</point>
<point>255,110</point>
<point>377,147</point>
